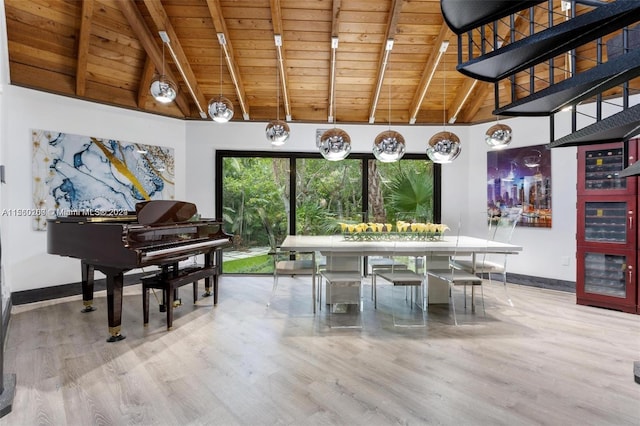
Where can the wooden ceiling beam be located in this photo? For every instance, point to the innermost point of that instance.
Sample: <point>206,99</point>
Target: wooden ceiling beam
<point>145,81</point>
<point>215,10</point>
<point>437,51</point>
<point>161,20</point>
<point>335,18</point>
<point>148,42</point>
<point>276,19</point>
<point>392,25</point>
<point>83,46</point>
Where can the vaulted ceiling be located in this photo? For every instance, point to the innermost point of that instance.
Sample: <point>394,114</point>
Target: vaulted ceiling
<point>108,51</point>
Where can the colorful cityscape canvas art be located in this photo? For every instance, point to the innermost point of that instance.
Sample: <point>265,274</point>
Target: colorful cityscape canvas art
<point>521,177</point>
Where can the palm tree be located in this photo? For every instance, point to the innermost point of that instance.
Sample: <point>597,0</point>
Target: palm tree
<point>411,194</point>
<point>376,199</point>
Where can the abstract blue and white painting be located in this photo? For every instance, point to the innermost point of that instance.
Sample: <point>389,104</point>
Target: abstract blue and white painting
<point>74,173</point>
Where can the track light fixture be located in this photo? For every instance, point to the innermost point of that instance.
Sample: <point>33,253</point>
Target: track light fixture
<point>334,144</point>
<point>220,108</point>
<point>389,146</point>
<point>162,88</point>
<point>277,131</point>
<point>444,146</point>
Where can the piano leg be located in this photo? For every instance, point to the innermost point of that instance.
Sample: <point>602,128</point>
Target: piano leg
<point>87,287</point>
<point>176,301</point>
<point>115,279</point>
<point>208,261</point>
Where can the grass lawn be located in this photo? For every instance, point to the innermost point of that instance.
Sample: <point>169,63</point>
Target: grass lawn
<point>257,264</point>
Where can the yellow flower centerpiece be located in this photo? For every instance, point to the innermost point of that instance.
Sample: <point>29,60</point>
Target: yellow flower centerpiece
<point>404,231</point>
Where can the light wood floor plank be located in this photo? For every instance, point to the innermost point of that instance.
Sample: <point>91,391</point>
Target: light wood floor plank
<point>544,361</point>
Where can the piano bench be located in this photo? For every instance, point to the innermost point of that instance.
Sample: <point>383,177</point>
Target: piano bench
<point>169,284</point>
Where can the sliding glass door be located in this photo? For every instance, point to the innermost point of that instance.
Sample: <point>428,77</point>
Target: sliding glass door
<point>327,192</point>
<point>265,196</point>
<point>255,209</point>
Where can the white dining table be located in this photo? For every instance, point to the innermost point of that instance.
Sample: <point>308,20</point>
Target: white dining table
<point>338,246</point>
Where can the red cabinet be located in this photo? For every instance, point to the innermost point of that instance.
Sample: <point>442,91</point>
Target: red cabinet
<point>598,166</point>
<point>607,231</point>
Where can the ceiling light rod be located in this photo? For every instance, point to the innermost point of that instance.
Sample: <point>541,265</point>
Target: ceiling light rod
<point>443,48</point>
<point>278,41</point>
<point>165,39</point>
<point>334,48</point>
<point>223,42</point>
<point>454,117</point>
<point>163,89</point>
<point>387,52</point>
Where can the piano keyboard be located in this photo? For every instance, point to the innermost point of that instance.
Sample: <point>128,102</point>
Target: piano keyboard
<point>156,253</point>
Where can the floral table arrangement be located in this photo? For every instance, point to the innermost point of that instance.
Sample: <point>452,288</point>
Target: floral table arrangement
<point>404,231</point>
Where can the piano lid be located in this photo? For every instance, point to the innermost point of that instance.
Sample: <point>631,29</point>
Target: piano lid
<point>164,212</point>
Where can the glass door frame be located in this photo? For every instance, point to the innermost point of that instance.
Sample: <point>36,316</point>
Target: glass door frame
<point>220,155</point>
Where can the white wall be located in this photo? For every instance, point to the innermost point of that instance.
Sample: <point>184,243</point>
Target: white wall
<point>548,252</point>
<point>27,265</point>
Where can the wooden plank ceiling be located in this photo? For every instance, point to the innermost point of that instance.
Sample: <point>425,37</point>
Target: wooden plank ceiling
<point>108,51</point>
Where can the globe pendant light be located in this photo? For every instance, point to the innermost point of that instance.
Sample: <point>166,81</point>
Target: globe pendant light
<point>498,136</point>
<point>335,144</point>
<point>444,146</point>
<point>220,108</point>
<point>389,146</point>
<point>277,131</point>
<point>162,89</point>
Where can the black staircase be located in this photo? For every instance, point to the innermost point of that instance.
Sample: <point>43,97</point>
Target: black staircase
<point>530,48</point>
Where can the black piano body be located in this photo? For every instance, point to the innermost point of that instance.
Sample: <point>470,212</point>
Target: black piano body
<point>160,233</point>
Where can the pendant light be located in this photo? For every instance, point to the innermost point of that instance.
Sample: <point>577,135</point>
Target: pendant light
<point>444,146</point>
<point>277,131</point>
<point>498,136</point>
<point>334,144</point>
<point>162,88</point>
<point>221,108</point>
<point>389,146</point>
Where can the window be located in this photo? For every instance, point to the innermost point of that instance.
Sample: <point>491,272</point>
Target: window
<point>264,196</point>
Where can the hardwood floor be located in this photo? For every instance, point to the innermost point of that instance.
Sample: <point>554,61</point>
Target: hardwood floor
<point>544,361</point>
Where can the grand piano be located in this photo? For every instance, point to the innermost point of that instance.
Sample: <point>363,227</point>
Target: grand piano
<point>161,233</point>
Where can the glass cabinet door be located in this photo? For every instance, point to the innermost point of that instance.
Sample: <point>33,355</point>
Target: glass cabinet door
<point>605,274</point>
<point>610,222</point>
<point>607,279</point>
<point>599,167</point>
